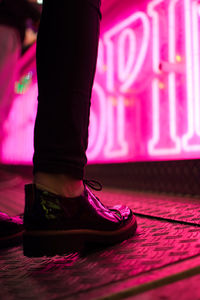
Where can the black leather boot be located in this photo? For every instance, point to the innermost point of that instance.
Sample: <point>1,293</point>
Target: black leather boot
<point>55,224</point>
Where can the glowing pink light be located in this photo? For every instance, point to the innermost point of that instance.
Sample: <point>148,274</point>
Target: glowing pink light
<point>196,59</point>
<point>122,103</point>
<point>124,68</point>
<point>155,34</point>
<point>155,84</point>
<point>192,74</point>
<point>110,150</point>
<point>193,91</point>
<point>98,128</point>
<point>153,149</point>
<point>171,77</point>
<point>119,29</point>
<point>100,60</point>
<point>18,146</point>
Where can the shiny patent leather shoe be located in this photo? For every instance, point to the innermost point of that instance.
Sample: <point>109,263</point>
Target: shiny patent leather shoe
<point>11,229</point>
<point>57,225</point>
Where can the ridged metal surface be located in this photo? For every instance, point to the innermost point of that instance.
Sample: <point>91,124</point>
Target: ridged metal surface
<point>184,289</point>
<point>156,244</point>
<point>183,209</point>
<point>178,176</point>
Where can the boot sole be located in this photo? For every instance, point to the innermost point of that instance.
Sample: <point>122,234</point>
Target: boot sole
<point>58,242</point>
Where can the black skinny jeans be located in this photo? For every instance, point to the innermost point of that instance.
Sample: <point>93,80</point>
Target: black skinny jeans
<point>66,61</point>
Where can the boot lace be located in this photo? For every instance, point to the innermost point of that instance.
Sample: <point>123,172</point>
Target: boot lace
<point>93,184</point>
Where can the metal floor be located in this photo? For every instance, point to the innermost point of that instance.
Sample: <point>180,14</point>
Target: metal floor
<point>162,261</point>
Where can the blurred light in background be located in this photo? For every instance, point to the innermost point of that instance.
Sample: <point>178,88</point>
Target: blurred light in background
<point>146,95</point>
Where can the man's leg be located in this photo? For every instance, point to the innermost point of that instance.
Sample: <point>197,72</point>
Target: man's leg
<point>66,61</point>
<point>60,210</point>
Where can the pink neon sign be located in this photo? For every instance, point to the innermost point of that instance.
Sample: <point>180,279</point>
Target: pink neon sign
<point>146,95</point>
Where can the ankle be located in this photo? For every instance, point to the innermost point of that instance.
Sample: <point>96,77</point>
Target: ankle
<point>59,184</point>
